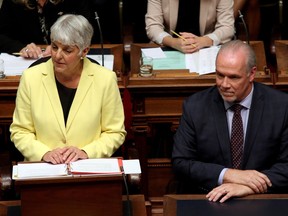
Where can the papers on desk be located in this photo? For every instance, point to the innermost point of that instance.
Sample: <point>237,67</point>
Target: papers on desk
<point>100,166</point>
<point>14,66</point>
<point>202,62</point>
<point>108,60</point>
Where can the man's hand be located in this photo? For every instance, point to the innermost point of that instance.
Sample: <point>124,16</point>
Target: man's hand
<point>253,179</point>
<point>227,191</point>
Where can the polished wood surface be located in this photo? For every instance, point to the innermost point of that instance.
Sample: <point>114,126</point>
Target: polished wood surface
<point>137,202</point>
<point>170,201</point>
<point>83,195</point>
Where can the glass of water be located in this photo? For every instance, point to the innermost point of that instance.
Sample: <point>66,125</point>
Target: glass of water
<point>146,66</point>
<point>2,74</point>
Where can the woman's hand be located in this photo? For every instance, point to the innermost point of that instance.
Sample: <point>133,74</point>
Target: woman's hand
<point>64,155</point>
<point>188,43</point>
<point>33,51</point>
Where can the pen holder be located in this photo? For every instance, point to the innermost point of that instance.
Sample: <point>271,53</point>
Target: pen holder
<point>146,66</point>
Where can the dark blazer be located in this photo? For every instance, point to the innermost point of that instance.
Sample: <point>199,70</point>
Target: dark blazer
<point>201,144</point>
<point>20,26</point>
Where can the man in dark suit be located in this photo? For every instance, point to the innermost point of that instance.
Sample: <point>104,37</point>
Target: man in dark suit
<point>202,153</point>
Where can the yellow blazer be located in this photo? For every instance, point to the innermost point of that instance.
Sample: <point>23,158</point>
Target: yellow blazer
<point>95,122</point>
<point>216,19</point>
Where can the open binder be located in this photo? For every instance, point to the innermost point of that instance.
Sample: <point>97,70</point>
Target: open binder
<point>101,166</point>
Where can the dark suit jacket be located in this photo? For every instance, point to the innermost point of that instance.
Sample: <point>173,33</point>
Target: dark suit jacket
<point>201,144</point>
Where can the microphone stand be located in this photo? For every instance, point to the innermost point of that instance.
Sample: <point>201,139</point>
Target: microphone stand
<point>245,27</point>
<point>101,37</point>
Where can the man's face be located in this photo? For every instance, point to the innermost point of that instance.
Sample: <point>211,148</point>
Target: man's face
<point>232,79</point>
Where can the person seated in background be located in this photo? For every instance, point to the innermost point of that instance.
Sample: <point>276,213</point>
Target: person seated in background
<point>25,24</point>
<point>68,108</point>
<point>209,157</point>
<point>200,23</point>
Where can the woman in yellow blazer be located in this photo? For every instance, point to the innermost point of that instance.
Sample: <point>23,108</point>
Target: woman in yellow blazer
<point>214,22</point>
<point>68,108</point>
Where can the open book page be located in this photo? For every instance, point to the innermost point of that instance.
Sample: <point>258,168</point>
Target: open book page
<point>30,170</point>
<point>96,166</point>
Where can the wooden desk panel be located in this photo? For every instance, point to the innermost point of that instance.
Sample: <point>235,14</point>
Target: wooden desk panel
<point>251,206</point>
<point>13,208</point>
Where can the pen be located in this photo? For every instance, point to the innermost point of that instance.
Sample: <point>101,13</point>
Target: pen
<point>175,33</point>
<point>17,53</point>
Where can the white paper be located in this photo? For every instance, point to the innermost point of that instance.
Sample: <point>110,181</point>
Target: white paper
<point>30,170</point>
<point>108,60</point>
<point>105,165</point>
<point>153,52</point>
<point>203,61</point>
<point>131,166</point>
<point>87,166</point>
<point>13,65</point>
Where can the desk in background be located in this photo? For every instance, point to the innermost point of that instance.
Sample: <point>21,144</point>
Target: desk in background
<point>157,108</point>
<point>253,205</point>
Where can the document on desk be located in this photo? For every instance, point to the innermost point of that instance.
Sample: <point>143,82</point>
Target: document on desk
<point>108,60</point>
<point>202,62</point>
<point>99,166</point>
<point>15,65</point>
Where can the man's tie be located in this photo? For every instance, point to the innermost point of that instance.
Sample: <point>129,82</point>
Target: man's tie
<point>237,137</point>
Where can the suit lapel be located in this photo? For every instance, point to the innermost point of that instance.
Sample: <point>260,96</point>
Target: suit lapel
<point>256,112</point>
<point>82,91</point>
<point>221,126</point>
<point>51,90</point>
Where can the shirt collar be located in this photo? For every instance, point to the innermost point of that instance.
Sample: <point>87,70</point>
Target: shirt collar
<point>246,102</point>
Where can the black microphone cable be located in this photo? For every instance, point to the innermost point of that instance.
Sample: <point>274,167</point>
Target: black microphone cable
<point>129,211</point>
<point>101,36</point>
<point>245,27</point>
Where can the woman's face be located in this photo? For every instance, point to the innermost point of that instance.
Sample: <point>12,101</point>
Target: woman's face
<point>66,59</point>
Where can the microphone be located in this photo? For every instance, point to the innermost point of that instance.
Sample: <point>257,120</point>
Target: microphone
<point>101,36</point>
<point>245,27</point>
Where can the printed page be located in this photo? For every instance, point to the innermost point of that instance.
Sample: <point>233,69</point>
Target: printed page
<point>192,62</point>
<point>207,60</point>
<point>34,170</point>
<point>95,166</point>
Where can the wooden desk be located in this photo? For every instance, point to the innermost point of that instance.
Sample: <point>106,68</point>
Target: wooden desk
<point>8,90</point>
<point>281,50</point>
<point>13,208</point>
<point>83,195</point>
<point>263,204</point>
<point>156,110</point>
